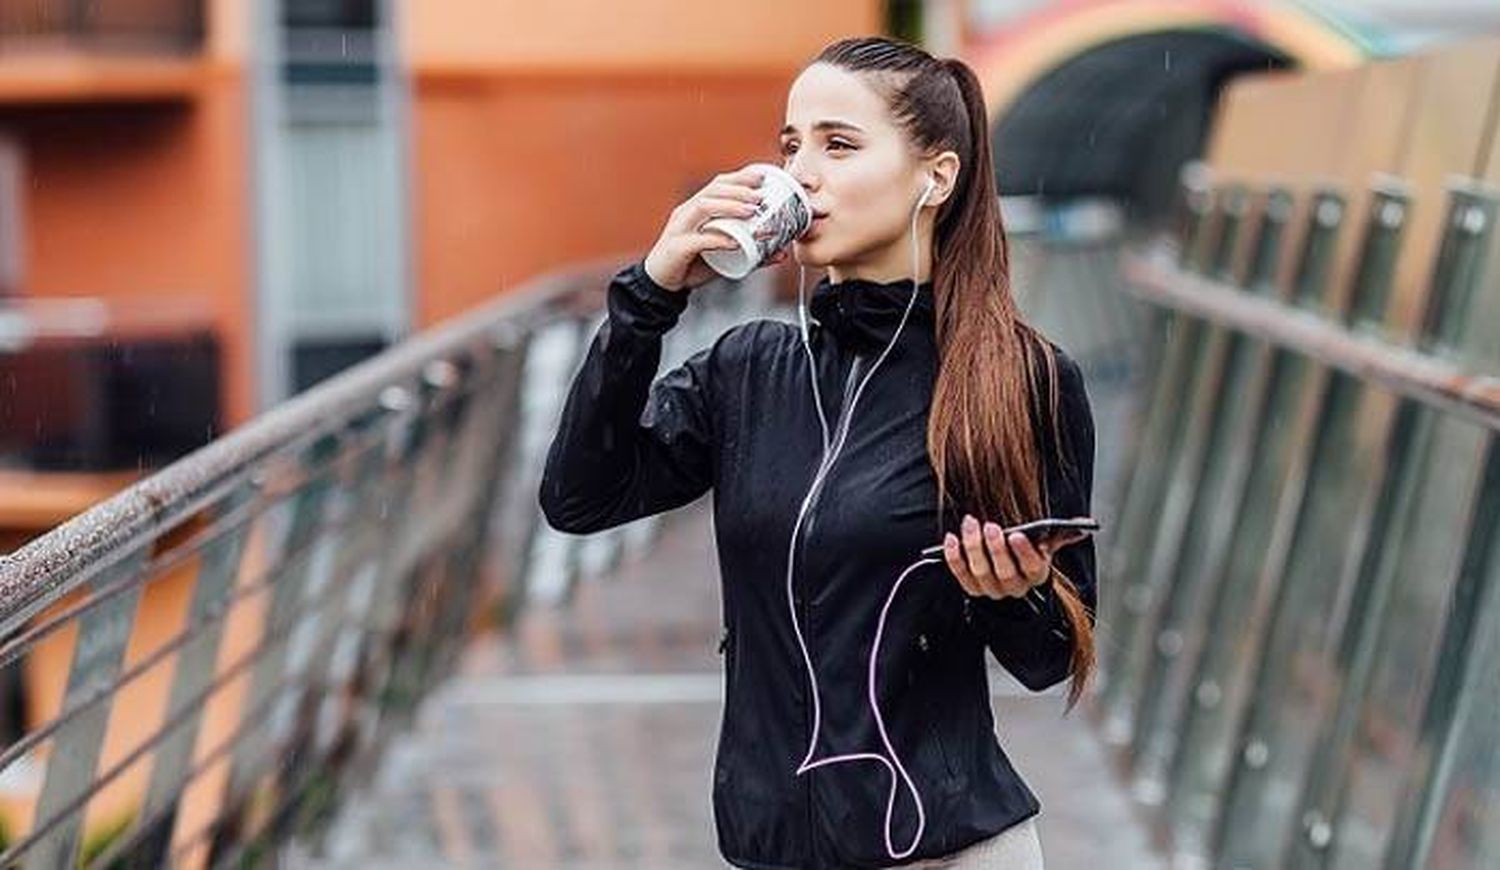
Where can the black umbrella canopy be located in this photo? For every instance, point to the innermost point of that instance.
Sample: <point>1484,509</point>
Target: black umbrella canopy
<point>1119,120</point>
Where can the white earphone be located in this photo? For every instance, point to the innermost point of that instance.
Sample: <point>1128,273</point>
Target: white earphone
<point>833,445</point>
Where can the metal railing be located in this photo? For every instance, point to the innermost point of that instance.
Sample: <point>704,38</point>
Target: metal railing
<point>1303,606</point>
<point>292,589</point>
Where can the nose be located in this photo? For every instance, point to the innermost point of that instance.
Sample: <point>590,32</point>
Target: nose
<point>795,168</point>
<point>798,171</point>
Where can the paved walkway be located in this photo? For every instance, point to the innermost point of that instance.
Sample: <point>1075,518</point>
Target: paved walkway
<point>585,740</point>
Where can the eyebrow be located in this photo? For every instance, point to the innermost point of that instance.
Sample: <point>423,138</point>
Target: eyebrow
<point>825,125</point>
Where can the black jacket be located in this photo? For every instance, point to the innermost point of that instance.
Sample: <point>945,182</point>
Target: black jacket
<point>738,418</point>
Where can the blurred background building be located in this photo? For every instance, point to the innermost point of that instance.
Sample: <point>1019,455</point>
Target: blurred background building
<point>208,206</point>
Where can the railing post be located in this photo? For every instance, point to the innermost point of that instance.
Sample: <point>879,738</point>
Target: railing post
<point>390,619</point>
<point>296,559</point>
<point>1429,471</point>
<point>1126,561</point>
<point>342,583</point>
<point>73,759</point>
<point>416,584</point>
<point>507,496</point>
<point>488,451</point>
<point>546,555</point>
<point>389,503</point>
<point>1462,716</point>
<point>195,667</point>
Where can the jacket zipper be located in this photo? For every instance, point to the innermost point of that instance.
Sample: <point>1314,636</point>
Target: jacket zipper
<point>812,510</point>
<point>839,426</point>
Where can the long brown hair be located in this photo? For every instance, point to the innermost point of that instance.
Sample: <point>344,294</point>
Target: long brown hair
<point>980,431</point>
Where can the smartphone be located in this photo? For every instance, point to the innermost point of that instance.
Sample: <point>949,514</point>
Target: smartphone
<point>1038,531</point>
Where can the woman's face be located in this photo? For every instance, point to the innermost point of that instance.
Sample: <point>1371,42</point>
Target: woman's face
<point>859,170</point>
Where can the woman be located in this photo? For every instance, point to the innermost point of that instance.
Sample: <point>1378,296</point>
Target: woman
<point>917,409</point>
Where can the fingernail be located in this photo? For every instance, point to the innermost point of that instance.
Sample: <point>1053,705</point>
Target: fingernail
<point>970,524</point>
<point>950,541</point>
<point>992,531</point>
<point>1016,538</point>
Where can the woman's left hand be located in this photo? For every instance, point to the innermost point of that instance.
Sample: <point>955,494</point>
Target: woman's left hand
<point>985,566</point>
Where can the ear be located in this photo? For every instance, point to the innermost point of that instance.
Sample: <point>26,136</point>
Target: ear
<point>943,170</point>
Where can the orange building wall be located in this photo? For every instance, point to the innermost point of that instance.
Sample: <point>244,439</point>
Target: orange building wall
<point>516,178</point>
<point>137,191</point>
<point>587,34</point>
<point>548,133</point>
<point>141,205</point>
<point>138,185</point>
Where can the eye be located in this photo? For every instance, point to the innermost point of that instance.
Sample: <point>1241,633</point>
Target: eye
<point>790,147</point>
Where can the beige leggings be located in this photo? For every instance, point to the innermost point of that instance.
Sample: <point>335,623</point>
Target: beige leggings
<point>1018,847</point>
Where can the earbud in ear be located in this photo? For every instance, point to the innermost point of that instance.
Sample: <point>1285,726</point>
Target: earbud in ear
<point>927,191</point>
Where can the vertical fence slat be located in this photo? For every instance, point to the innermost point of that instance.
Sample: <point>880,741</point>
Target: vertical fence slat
<point>98,654</point>
<point>293,565</point>
<point>194,671</point>
<point>1451,785</point>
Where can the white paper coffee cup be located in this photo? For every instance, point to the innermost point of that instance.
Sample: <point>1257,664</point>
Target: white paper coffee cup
<point>783,216</point>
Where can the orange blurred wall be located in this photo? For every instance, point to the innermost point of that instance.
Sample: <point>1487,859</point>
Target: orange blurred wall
<point>137,182</point>
<point>136,191</point>
<point>547,133</point>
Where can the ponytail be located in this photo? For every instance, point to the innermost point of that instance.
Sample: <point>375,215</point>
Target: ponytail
<point>981,432</point>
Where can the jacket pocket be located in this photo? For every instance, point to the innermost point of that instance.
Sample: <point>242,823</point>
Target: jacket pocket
<point>924,667</point>
<point>729,652</point>
<point>955,772</point>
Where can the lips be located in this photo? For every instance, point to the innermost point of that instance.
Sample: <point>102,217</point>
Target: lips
<point>817,222</point>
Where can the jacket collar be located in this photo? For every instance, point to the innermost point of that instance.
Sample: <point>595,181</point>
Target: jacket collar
<point>864,314</point>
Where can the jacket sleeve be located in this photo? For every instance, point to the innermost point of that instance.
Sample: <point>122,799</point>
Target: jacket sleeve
<point>1031,636</point>
<point>626,448</point>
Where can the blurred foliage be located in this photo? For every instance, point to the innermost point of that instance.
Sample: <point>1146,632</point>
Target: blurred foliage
<point>104,836</point>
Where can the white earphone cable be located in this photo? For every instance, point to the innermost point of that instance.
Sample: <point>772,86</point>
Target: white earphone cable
<point>831,453</point>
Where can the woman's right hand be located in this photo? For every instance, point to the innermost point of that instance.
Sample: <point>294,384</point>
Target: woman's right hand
<point>674,261</point>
